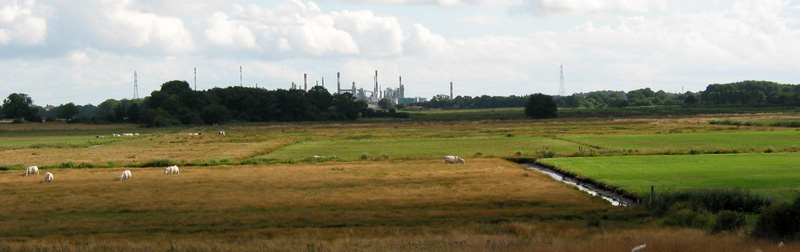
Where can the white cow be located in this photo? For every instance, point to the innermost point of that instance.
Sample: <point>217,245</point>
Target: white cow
<point>126,175</point>
<point>222,132</point>
<point>48,177</point>
<point>454,160</point>
<point>31,170</point>
<point>115,135</point>
<point>172,170</point>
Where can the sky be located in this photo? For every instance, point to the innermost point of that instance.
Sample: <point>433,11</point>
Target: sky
<point>86,51</point>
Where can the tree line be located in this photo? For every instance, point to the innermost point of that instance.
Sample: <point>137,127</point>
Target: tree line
<point>176,103</point>
<point>751,93</point>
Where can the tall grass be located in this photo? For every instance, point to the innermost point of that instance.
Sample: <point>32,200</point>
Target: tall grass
<point>713,200</point>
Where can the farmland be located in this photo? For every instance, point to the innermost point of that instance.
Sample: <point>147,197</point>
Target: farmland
<point>258,189</point>
<point>768,173</point>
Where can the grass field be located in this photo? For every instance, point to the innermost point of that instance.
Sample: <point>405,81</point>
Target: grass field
<point>768,173</point>
<point>682,142</point>
<point>411,197</point>
<point>424,148</point>
<point>409,201</point>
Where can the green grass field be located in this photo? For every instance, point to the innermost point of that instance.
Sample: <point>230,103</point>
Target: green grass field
<point>769,173</point>
<point>52,142</point>
<point>744,141</point>
<point>423,148</point>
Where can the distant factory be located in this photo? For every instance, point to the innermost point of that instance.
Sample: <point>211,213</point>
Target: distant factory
<point>396,95</point>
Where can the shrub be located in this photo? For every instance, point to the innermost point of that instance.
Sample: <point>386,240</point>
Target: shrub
<point>779,221</point>
<point>158,163</point>
<point>69,164</point>
<point>546,153</point>
<point>384,155</point>
<point>364,156</point>
<point>685,217</point>
<point>728,221</point>
<point>479,153</point>
<point>713,200</point>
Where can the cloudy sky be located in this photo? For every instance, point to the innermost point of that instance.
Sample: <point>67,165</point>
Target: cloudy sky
<point>86,51</point>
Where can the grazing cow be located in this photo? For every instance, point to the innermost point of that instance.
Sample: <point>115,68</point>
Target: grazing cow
<point>126,175</point>
<point>222,132</point>
<point>31,170</point>
<point>454,160</point>
<point>315,157</point>
<point>135,134</point>
<point>48,177</point>
<point>115,135</point>
<point>172,170</point>
<point>100,136</point>
<point>639,248</point>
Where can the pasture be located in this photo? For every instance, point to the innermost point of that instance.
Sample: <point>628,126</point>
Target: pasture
<point>405,200</point>
<point>774,174</point>
<point>424,148</point>
<point>752,141</point>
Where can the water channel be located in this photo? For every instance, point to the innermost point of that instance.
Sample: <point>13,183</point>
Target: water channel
<point>594,190</point>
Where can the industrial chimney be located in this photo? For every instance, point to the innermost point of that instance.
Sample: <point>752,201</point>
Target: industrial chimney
<point>451,90</point>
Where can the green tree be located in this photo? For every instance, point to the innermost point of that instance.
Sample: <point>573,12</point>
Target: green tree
<point>67,111</point>
<point>541,106</point>
<point>691,100</point>
<point>18,105</point>
<point>385,103</point>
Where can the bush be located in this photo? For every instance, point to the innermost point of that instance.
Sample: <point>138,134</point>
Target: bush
<point>713,200</point>
<point>546,153</point>
<point>685,217</point>
<point>364,156</point>
<point>158,163</point>
<point>69,164</point>
<point>384,155</point>
<point>728,221</point>
<point>780,221</point>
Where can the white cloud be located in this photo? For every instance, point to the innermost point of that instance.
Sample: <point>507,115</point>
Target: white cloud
<point>423,42</point>
<point>376,36</point>
<point>580,7</point>
<point>484,20</point>
<point>23,22</point>
<point>225,32</point>
<point>120,24</point>
<point>447,3</point>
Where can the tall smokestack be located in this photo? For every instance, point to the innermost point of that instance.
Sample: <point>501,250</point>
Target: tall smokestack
<point>376,93</point>
<point>338,84</point>
<point>451,90</point>
<point>323,81</point>
<point>305,82</point>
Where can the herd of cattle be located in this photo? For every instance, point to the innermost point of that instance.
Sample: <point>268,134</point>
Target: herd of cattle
<point>126,174</point>
<point>173,169</point>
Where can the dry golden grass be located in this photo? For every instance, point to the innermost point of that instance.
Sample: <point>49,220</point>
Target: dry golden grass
<point>175,146</point>
<point>507,237</point>
<point>413,195</point>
